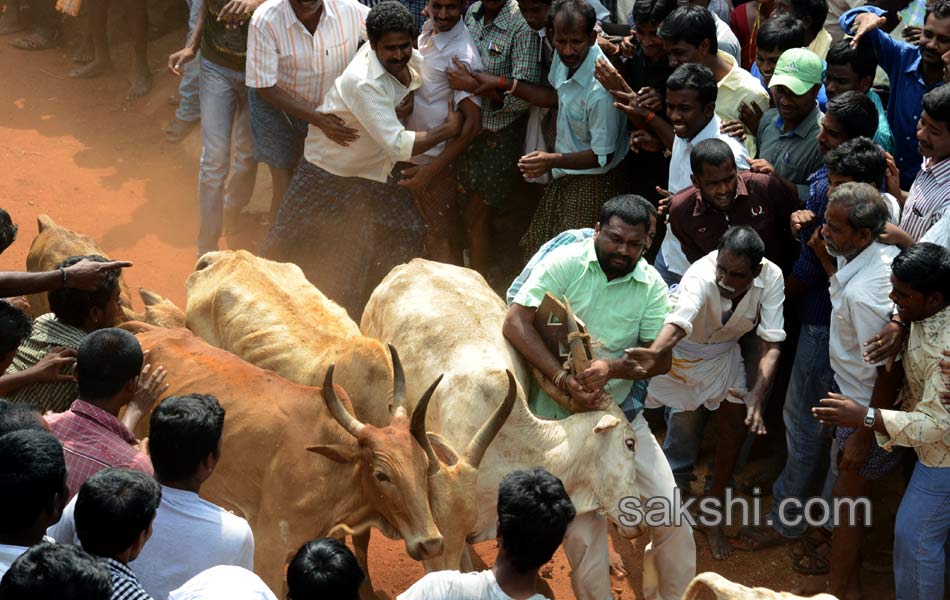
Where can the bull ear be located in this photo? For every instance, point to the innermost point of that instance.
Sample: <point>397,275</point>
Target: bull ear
<point>606,422</point>
<point>443,449</point>
<point>340,453</point>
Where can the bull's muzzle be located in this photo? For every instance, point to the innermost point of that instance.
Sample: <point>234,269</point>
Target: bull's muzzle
<point>425,549</point>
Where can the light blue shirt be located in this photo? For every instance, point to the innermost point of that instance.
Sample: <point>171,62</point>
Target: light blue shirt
<point>586,117</point>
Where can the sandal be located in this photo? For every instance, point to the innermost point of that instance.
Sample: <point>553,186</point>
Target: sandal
<point>36,41</point>
<point>813,539</point>
<point>750,539</point>
<point>812,564</point>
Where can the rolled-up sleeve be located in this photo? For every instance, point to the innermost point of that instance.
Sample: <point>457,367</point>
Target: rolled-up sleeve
<point>771,314</point>
<point>260,70</point>
<point>654,314</point>
<point>550,275</point>
<point>687,301</point>
<point>927,424</point>
<point>375,110</point>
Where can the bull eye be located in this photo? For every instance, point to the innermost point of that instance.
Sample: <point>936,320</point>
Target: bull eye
<point>380,476</point>
<point>631,444</point>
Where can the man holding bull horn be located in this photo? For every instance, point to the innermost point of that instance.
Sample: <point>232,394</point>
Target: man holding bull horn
<point>623,301</point>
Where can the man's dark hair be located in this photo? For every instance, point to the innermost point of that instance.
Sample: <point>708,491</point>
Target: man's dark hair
<point>866,208</point>
<point>816,9</point>
<point>324,568</point>
<point>32,472</point>
<point>937,104</point>
<point>19,417</point>
<point>387,17</point>
<point>107,360</point>
<point>72,306</point>
<point>860,159</point>
<point>8,230</point>
<point>690,24</point>
<point>694,76</point>
<point>781,32</point>
<point>50,571</point>
<point>15,326</point>
<point>713,152</point>
<point>745,242</point>
<point>862,59</point>
<point>940,9</point>
<point>575,10</point>
<point>925,267</point>
<point>629,207</point>
<point>855,112</point>
<point>183,431</point>
<point>534,511</point>
<point>113,508</point>
<point>652,11</point>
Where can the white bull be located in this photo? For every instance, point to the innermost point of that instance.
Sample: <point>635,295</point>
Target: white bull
<point>450,321</point>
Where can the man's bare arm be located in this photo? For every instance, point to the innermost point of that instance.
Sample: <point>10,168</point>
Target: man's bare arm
<point>84,275</point>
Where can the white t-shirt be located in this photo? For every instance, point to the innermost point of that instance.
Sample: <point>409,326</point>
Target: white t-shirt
<point>189,535</point>
<point>8,554</point>
<point>452,585</point>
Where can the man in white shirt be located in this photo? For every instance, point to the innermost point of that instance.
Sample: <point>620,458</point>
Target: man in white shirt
<point>344,220</point>
<point>534,511</point>
<point>726,294</point>
<point>444,43</point>
<point>295,51</point>
<point>189,534</point>
<point>33,490</point>
<point>860,307</point>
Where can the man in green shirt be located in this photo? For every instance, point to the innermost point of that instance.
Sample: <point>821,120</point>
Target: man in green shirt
<point>623,302</point>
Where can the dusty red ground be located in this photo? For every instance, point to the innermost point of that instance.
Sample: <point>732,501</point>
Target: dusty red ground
<point>75,150</point>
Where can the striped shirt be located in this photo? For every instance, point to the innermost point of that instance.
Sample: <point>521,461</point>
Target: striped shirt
<point>94,439</point>
<point>928,199</point>
<point>48,333</point>
<point>282,52</point>
<point>508,48</point>
<point>125,586</point>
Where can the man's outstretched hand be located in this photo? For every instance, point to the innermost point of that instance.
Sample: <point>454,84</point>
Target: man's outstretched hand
<point>88,274</point>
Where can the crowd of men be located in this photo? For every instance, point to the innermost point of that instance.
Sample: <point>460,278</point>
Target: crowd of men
<point>746,206</point>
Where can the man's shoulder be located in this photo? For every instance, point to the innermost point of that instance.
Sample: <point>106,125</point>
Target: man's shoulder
<point>268,13</point>
<point>682,202</point>
<point>348,7</point>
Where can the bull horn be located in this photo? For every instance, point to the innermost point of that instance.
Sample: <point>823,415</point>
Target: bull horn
<point>417,427</point>
<point>483,438</point>
<point>336,408</point>
<point>399,383</point>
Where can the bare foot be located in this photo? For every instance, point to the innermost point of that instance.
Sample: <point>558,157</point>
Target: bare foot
<point>85,53</point>
<point>140,82</point>
<point>11,22</point>
<point>92,70</point>
<point>719,544</point>
<point>811,585</point>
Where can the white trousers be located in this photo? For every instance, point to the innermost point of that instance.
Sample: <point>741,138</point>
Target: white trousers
<point>669,563</point>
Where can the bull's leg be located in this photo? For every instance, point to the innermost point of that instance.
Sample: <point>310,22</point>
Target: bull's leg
<point>361,551</point>
<point>466,565</point>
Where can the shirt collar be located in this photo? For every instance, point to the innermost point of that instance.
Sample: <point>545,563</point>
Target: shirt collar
<point>638,273</point>
<point>701,206</point>
<point>441,39</point>
<point>120,568</point>
<point>935,324</point>
<point>803,129</point>
<point>289,17</point>
<point>851,268</point>
<point>939,171</point>
<point>731,80</point>
<point>711,130</point>
<point>376,70</point>
<point>504,17</point>
<point>106,420</point>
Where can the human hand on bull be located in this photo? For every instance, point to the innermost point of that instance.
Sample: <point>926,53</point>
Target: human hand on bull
<point>88,275</point>
<point>591,400</point>
<point>753,413</point>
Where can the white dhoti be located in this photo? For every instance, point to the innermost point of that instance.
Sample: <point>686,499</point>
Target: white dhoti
<point>701,375</point>
<point>669,562</point>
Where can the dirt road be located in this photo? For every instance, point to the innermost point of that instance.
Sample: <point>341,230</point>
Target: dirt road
<point>75,150</point>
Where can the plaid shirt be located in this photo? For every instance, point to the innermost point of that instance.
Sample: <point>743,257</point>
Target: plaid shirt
<point>124,584</point>
<point>509,48</point>
<point>93,440</point>
<point>48,333</point>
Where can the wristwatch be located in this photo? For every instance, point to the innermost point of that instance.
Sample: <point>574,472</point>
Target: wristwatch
<point>869,419</point>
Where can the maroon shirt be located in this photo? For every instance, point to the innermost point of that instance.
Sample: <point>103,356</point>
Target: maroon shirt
<point>762,202</point>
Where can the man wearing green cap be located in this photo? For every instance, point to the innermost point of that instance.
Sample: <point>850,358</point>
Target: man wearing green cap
<point>787,137</point>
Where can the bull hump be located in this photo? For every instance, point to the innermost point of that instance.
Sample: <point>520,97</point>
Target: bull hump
<point>44,222</point>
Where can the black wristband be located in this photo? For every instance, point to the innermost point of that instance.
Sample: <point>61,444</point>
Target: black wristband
<point>903,325</point>
<point>62,272</point>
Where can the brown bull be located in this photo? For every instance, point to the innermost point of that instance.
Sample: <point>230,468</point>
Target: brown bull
<point>364,476</point>
<point>159,311</point>
<point>51,246</point>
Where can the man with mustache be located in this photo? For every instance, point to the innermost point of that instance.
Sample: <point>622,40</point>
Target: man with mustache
<point>912,71</point>
<point>295,51</point>
<point>338,189</point>
<point>726,294</point>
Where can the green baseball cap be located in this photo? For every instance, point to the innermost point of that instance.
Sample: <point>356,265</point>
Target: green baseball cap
<point>798,69</point>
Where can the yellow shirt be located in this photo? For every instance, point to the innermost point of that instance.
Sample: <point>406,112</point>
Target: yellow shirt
<point>924,423</point>
<point>739,86</point>
<point>821,43</point>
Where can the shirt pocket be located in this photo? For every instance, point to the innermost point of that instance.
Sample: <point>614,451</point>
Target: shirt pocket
<point>335,59</point>
<point>497,57</point>
<point>576,113</point>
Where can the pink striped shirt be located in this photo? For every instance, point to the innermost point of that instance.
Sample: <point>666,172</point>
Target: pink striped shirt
<point>928,199</point>
<point>282,52</point>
